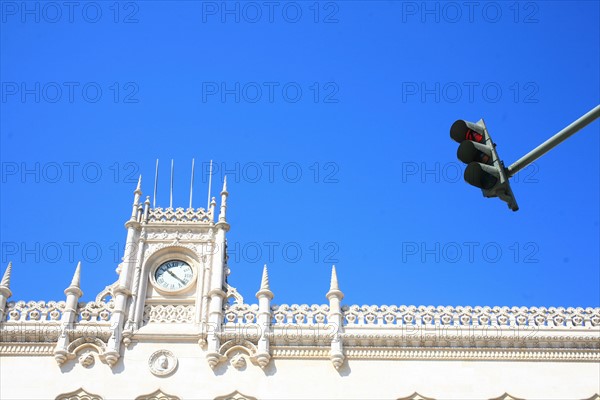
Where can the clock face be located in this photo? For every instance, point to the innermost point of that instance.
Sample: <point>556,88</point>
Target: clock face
<point>173,275</point>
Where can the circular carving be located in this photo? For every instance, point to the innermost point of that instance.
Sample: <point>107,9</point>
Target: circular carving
<point>162,362</point>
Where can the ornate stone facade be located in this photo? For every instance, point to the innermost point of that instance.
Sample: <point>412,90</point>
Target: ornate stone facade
<point>166,330</point>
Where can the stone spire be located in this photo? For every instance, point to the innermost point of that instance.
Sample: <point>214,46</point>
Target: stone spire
<point>336,319</point>
<point>137,193</point>
<point>264,316</point>
<point>213,204</point>
<point>139,185</point>
<point>75,282</point>
<point>265,290</point>
<point>224,194</point>
<point>334,288</point>
<point>69,316</point>
<point>146,208</point>
<point>6,278</point>
<point>5,292</point>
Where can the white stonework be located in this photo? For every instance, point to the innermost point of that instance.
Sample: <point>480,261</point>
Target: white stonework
<point>166,330</point>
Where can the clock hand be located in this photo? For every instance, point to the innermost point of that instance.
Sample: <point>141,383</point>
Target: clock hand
<point>175,276</point>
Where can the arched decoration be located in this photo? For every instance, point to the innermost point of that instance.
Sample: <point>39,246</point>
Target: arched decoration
<point>233,345</point>
<point>232,293</point>
<point>106,295</point>
<point>156,252</point>
<point>506,396</point>
<point>157,395</point>
<point>95,344</point>
<point>237,351</point>
<point>78,394</point>
<point>235,396</point>
<point>415,396</point>
<point>85,350</point>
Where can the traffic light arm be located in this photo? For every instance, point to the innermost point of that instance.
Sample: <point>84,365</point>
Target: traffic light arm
<point>554,141</point>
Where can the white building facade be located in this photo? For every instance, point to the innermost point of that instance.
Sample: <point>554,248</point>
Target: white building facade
<point>171,327</point>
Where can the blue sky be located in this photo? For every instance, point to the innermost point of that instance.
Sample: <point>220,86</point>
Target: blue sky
<point>331,120</point>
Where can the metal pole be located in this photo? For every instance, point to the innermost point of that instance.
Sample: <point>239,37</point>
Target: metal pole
<point>554,141</point>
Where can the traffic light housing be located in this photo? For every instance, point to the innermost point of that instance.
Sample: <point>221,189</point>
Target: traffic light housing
<point>484,169</point>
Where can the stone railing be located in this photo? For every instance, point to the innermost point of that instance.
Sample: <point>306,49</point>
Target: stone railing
<point>470,316</point>
<point>240,314</point>
<point>299,314</point>
<point>179,215</point>
<point>34,311</point>
<point>95,311</point>
<point>304,314</point>
<point>357,316</point>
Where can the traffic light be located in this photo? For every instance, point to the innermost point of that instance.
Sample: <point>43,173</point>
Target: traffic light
<point>485,170</point>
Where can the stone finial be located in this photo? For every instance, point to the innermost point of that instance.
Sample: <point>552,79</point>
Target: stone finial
<point>139,185</point>
<point>5,292</point>
<point>264,283</point>
<point>334,288</point>
<point>265,290</point>
<point>334,280</point>
<point>146,208</point>
<point>137,193</point>
<point>224,194</point>
<point>224,191</point>
<point>77,275</point>
<point>6,278</point>
<point>74,287</point>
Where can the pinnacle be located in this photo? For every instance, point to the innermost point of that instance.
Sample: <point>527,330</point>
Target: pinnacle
<point>6,278</point>
<point>334,280</point>
<point>74,286</point>
<point>264,284</point>
<point>76,276</point>
<point>224,185</point>
<point>264,290</point>
<point>334,287</point>
<point>139,184</point>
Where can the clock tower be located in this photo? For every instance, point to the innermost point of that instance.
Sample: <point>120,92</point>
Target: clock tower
<point>172,279</point>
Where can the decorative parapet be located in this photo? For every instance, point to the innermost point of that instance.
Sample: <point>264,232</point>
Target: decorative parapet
<point>284,314</point>
<point>354,316</point>
<point>41,311</point>
<point>179,215</point>
<point>470,316</point>
<point>95,311</point>
<point>426,316</point>
<point>300,314</point>
<point>173,314</point>
<point>34,311</point>
<point>240,314</point>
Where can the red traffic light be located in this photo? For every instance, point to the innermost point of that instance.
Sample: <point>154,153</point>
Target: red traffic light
<point>464,130</point>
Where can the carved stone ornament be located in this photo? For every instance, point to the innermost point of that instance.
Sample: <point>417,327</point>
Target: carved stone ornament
<point>87,360</point>
<point>162,363</point>
<point>238,360</point>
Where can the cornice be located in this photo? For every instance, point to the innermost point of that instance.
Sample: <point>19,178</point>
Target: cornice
<point>26,349</point>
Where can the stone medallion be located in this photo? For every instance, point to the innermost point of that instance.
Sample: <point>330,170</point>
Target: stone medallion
<point>162,362</point>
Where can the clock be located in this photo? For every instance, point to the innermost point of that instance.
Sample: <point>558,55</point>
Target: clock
<point>173,275</point>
